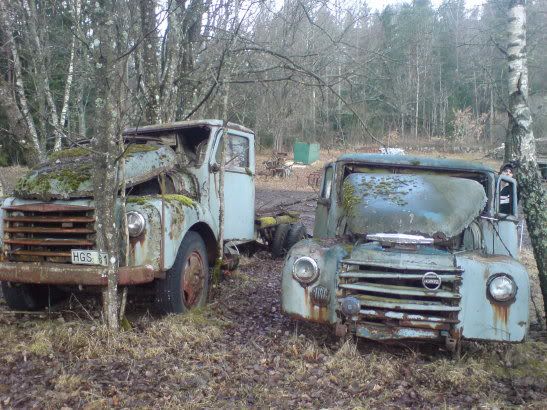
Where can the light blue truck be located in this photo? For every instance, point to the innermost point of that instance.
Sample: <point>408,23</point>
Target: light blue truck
<point>47,228</point>
<point>411,248</point>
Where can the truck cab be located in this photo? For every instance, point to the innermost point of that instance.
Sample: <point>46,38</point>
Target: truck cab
<point>411,248</point>
<point>47,228</point>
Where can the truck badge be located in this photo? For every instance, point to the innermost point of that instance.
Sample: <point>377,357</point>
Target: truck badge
<point>431,281</point>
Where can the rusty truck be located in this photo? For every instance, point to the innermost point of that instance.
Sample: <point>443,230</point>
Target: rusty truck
<point>411,248</point>
<point>47,228</point>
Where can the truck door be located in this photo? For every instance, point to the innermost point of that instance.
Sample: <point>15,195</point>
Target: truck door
<point>239,189</point>
<point>323,204</point>
<point>505,240</point>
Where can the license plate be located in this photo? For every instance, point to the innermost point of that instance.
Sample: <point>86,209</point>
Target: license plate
<point>86,257</point>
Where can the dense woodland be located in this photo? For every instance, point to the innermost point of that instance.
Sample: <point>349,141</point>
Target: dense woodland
<point>329,71</point>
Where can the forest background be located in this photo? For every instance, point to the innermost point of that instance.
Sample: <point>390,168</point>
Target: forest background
<point>334,72</point>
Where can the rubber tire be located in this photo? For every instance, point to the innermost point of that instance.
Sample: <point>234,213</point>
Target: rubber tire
<point>278,242</point>
<point>296,234</point>
<point>169,296</point>
<point>23,296</point>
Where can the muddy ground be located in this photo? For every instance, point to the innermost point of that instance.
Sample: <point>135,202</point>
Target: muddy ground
<point>241,352</point>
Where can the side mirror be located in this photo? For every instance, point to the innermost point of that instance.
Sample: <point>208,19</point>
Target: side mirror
<point>214,167</point>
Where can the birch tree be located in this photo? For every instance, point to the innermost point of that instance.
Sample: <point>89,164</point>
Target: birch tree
<point>108,79</point>
<point>520,140</point>
<point>30,140</point>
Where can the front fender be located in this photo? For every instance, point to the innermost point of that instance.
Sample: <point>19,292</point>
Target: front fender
<point>179,214</point>
<point>482,317</point>
<point>299,301</point>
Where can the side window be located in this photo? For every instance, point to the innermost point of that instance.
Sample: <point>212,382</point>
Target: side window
<point>327,183</point>
<point>507,197</point>
<point>237,152</point>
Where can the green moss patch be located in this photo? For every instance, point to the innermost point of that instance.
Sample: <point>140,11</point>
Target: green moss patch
<point>349,197</point>
<point>139,148</point>
<point>182,199</point>
<point>60,180</point>
<point>69,153</point>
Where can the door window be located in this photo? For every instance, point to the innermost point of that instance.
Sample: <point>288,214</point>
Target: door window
<point>237,152</point>
<point>327,183</point>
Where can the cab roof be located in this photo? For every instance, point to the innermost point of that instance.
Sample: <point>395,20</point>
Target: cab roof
<point>179,125</point>
<point>414,161</point>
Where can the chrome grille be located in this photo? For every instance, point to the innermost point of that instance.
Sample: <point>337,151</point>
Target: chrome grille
<point>395,296</point>
<point>47,231</point>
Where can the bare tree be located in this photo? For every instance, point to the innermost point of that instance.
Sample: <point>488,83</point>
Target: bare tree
<point>109,76</point>
<point>520,139</point>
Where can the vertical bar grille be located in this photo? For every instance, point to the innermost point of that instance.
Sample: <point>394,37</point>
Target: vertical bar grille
<point>47,232</point>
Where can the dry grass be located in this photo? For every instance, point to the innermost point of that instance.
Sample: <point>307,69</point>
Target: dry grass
<point>240,352</point>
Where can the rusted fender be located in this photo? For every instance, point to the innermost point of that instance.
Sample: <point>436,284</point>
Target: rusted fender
<point>300,301</point>
<point>482,317</point>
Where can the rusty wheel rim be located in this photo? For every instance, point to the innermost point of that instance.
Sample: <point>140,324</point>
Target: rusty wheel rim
<point>193,279</point>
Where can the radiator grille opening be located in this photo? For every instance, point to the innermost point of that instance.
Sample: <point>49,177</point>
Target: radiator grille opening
<point>47,232</point>
<point>397,296</point>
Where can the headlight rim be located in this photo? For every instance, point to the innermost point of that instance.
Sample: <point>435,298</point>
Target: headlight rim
<point>312,279</point>
<point>513,295</point>
<point>141,218</point>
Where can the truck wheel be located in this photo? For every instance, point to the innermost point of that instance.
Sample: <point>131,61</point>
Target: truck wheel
<point>186,284</point>
<point>278,243</point>
<point>296,233</point>
<point>22,296</point>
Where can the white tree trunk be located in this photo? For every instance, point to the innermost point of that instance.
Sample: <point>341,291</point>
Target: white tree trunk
<point>34,143</point>
<point>520,143</point>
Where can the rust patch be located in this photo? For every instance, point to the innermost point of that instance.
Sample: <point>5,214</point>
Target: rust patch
<point>45,207</point>
<point>501,313</point>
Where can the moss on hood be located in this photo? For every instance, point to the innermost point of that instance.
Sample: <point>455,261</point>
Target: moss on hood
<point>68,173</point>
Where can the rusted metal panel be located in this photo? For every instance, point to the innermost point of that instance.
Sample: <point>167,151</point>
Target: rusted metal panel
<point>50,242</point>
<point>40,253</point>
<point>45,230</point>
<point>400,290</point>
<point>48,207</point>
<point>297,300</point>
<point>415,162</point>
<point>179,125</point>
<point>427,204</point>
<point>381,332</point>
<point>481,316</point>
<point>404,304</point>
<point>71,176</point>
<point>395,276</point>
<point>50,219</point>
<point>368,256</point>
<point>66,274</point>
<point>382,314</point>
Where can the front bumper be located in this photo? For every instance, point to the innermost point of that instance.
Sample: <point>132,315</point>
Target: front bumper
<point>67,274</point>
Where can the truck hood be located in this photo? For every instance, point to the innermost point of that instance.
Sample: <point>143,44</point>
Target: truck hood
<point>68,173</point>
<point>429,205</point>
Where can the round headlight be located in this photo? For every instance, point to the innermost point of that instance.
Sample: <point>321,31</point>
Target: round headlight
<point>305,270</point>
<point>135,223</point>
<point>502,288</point>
